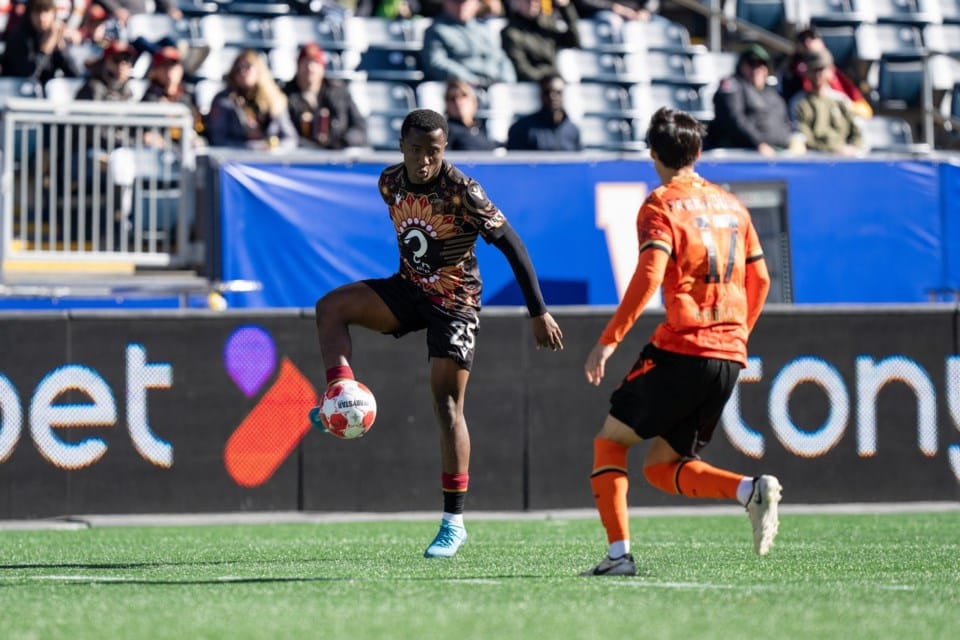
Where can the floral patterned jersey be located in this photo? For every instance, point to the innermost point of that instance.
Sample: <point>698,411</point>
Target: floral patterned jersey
<point>437,225</point>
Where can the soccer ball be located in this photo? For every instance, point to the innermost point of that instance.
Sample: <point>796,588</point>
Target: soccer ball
<point>347,409</point>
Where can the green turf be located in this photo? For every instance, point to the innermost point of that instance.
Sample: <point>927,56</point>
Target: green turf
<point>829,576</point>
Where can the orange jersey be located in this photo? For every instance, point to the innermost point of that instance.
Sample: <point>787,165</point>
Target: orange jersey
<point>711,300</point>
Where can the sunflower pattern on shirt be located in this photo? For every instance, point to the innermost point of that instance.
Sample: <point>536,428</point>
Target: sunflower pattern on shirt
<point>437,225</point>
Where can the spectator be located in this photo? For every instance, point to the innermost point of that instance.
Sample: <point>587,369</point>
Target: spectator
<point>110,75</point>
<point>36,48</point>
<point>622,9</point>
<point>531,38</point>
<point>465,132</point>
<point>323,110</point>
<point>251,112</point>
<point>165,79</point>
<point>794,79</point>
<point>94,26</point>
<point>749,113</point>
<point>457,45</point>
<point>824,115</point>
<point>550,128</point>
<point>71,12</point>
<point>121,10</point>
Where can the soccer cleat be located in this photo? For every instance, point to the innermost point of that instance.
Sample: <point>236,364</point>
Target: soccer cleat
<point>449,539</point>
<point>762,509</point>
<point>622,566</point>
<point>314,416</point>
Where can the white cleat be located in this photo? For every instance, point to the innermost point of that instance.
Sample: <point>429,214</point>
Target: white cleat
<point>762,509</point>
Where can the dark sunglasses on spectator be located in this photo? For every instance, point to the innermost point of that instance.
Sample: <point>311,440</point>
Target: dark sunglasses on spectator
<point>120,59</point>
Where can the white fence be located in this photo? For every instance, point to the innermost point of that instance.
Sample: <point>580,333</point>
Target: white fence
<point>95,187</point>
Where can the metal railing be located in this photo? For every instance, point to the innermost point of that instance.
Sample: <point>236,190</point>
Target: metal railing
<point>88,185</point>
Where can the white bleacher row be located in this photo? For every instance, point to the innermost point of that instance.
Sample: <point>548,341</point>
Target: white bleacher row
<point>611,116</point>
<point>650,63</point>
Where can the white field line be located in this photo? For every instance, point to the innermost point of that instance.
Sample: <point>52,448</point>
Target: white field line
<point>293,517</point>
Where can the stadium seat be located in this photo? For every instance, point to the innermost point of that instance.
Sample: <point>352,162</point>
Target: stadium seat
<point>62,89</point>
<point>695,99</point>
<point>891,40</point>
<point>942,38</point>
<point>197,8</point>
<point>581,65</point>
<point>605,35</point>
<point>295,31</point>
<point>261,9</point>
<point>154,27</point>
<point>603,133</point>
<point>598,99</point>
<point>431,95</point>
<point>217,63</point>
<point>383,131</point>
<point>371,31</point>
<point>387,63</point>
<point>907,11</point>
<point>852,11</point>
<point>900,83</point>
<point>519,98</point>
<point>204,91</point>
<point>225,30</point>
<point>383,97</point>
<point>766,14</point>
<point>658,35</point>
<point>18,88</point>
<point>890,133</point>
<point>950,11</point>
<point>500,104</point>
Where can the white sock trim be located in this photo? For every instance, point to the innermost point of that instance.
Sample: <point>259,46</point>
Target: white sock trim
<point>453,518</point>
<point>745,490</point>
<point>619,548</point>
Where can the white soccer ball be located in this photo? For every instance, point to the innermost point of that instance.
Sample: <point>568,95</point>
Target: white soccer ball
<point>348,409</point>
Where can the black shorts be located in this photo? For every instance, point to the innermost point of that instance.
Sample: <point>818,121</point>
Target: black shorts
<point>450,334</point>
<point>675,396</point>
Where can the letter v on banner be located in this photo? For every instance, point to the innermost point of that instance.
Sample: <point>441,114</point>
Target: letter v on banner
<point>617,204</point>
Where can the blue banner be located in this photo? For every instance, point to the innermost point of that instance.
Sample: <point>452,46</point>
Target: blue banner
<point>860,231</point>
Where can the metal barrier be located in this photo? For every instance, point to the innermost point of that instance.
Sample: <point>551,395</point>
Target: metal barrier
<point>95,187</point>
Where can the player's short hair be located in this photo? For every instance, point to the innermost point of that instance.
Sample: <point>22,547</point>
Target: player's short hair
<point>675,136</point>
<point>425,120</point>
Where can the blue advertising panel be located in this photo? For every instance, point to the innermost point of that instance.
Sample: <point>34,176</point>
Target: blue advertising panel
<point>860,231</point>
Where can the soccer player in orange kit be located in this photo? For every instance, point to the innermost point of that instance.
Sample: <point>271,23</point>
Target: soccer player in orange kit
<point>698,242</point>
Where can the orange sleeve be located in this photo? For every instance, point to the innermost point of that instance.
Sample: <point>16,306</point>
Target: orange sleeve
<point>643,285</point>
<point>756,281</point>
<point>756,278</point>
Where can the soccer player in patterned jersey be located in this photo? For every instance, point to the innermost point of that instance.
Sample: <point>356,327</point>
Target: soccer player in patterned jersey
<point>438,214</point>
<point>696,241</point>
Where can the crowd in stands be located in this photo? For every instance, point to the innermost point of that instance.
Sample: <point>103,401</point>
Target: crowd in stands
<point>806,104</point>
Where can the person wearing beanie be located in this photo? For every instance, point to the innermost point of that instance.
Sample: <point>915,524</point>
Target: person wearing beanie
<point>749,112</point>
<point>322,109</point>
<point>823,115</point>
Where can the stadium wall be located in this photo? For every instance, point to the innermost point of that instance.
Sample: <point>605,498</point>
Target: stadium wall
<point>193,411</point>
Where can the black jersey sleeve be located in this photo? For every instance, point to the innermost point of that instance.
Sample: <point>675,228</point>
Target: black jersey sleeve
<point>512,247</point>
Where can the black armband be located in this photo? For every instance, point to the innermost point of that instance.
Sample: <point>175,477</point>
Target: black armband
<point>510,244</point>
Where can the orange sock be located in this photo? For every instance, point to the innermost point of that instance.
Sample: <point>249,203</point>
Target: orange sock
<point>609,483</point>
<point>694,478</point>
